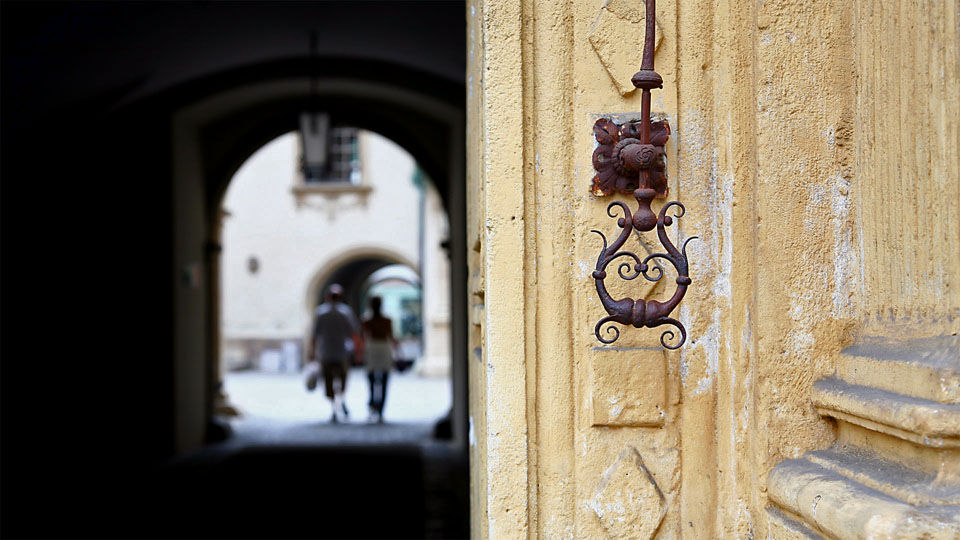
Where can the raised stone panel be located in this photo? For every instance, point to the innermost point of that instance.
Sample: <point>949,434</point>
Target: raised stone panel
<point>628,386</point>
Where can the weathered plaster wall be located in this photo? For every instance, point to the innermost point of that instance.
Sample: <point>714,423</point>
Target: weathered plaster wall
<point>774,110</point>
<point>907,146</point>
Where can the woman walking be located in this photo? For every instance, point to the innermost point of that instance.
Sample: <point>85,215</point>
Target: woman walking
<point>378,331</point>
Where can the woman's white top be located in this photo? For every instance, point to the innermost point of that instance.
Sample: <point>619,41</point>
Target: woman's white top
<point>379,355</point>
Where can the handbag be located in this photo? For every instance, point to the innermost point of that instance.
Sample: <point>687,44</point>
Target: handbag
<point>313,374</point>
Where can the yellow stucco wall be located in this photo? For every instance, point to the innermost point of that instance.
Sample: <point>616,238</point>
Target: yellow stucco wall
<point>815,146</point>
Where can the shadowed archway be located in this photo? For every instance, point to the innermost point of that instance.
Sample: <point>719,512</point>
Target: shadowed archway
<point>129,119</point>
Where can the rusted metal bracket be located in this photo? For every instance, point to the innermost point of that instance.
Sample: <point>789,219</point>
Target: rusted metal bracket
<point>630,159</point>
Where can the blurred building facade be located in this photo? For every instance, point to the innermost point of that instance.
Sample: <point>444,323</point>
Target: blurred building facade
<point>285,238</point>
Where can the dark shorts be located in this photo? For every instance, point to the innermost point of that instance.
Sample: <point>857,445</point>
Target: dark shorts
<point>334,371</point>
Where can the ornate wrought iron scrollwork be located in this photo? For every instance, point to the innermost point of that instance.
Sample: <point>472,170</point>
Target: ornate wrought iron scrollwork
<point>631,158</point>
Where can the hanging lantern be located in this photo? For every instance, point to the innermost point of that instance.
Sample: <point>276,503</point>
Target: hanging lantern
<point>314,134</point>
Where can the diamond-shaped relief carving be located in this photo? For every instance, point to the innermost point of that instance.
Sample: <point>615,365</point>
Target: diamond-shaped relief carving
<point>617,39</point>
<point>628,502</point>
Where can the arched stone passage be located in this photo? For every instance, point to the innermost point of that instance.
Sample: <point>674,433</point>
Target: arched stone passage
<point>214,136</point>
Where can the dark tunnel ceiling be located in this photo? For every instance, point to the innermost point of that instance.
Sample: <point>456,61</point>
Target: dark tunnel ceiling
<point>232,141</point>
<point>64,53</point>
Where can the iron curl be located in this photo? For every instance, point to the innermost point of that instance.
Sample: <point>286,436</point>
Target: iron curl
<point>663,336</point>
<point>610,329</point>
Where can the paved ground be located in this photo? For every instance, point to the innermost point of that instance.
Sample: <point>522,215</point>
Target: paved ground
<point>277,408</point>
<point>287,472</point>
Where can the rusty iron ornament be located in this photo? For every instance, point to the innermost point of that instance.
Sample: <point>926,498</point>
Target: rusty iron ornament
<point>630,158</point>
<point>618,145</point>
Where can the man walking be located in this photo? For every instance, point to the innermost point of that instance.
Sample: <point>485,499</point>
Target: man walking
<point>335,337</point>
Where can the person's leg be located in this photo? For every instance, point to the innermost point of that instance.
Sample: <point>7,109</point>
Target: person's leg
<point>378,391</point>
<point>329,373</point>
<point>372,376</point>
<point>383,389</point>
<point>377,377</point>
<point>372,403</point>
<point>326,370</point>
<point>343,388</point>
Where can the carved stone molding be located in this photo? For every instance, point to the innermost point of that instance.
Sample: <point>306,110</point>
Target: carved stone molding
<point>894,471</point>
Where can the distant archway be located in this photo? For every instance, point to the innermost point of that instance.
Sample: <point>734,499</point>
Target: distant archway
<point>351,269</point>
